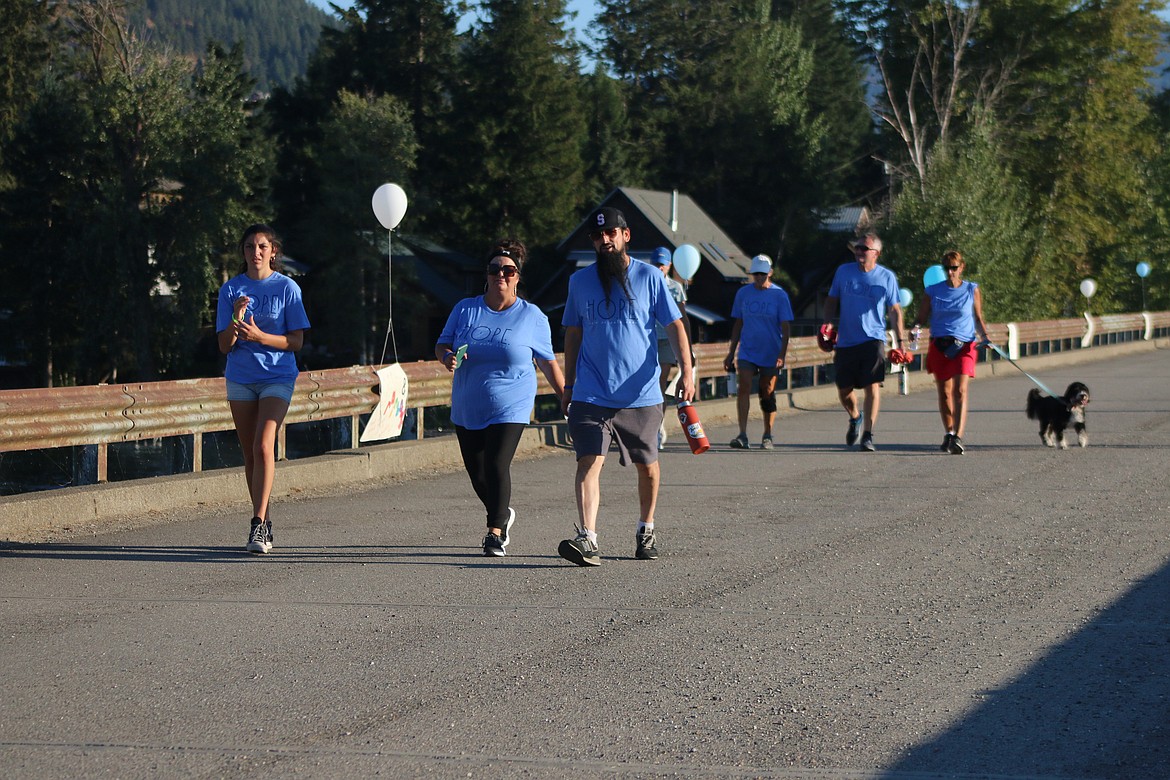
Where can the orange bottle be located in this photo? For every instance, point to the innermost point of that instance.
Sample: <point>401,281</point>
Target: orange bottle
<point>689,419</point>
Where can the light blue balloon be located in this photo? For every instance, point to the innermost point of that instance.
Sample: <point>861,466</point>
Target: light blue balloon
<point>686,261</point>
<point>1143,270</point>
<point>904,297</point>
<point>934,275</point>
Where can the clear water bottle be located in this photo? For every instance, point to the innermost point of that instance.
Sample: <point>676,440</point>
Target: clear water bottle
<point>915,334</point>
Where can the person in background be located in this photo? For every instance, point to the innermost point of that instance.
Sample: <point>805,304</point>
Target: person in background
<point>763,325</point>
<point>260,323</point>
<point>611,357</point>
<point>865,294</point>
<point>494,387</point>
<point>666,357</point>
<point>954,310</point>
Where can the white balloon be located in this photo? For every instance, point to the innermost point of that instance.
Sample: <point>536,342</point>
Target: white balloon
<point>1088,287</point>
<point>389,205</point>
<point>686,261</point>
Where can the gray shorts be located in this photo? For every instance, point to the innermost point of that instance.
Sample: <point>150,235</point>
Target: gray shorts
<point>861,365</point>
<point>634,430</point>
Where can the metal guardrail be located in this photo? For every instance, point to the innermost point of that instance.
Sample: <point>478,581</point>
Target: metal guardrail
<point>109,414</point>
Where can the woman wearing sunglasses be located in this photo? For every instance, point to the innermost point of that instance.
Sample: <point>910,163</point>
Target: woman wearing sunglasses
<point>954,309</point>
<point>490,343</point>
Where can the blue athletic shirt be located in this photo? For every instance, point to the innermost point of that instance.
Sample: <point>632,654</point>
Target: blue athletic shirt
<point>762,312</point>
<point>952,310</point>
<point>864,299</point>
<point>497,381</point>
<point>277,308</point>
<point>617,366</point>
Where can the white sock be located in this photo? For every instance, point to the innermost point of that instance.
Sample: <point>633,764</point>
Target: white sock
<point>592,535</point>
<point>644,527</point>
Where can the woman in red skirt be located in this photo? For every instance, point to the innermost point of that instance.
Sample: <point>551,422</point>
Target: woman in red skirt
<point>954,310</point>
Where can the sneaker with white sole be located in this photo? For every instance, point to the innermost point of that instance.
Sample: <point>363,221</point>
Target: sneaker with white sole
<point>946,445</point>
<point>867,444</point>
<point>492,546</point>
<point>507,529</point>
<point>740,442</point>
<point>580,551</point>
<point>957,447</point>
<point>766,442</point>
<point>259,537</point>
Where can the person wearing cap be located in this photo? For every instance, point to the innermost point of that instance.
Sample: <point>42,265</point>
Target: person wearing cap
<point>763,323</point>
<point>611,378</point>
<point>865,295</point>
<point>667,360</point>
<point>494,385</point>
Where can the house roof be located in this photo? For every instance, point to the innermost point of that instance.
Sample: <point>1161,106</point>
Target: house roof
<point>689,225</point>
<point>845,219</point>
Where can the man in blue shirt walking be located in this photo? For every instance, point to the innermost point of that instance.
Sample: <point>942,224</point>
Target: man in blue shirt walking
<point>611,377</point>
<point>865,294</point>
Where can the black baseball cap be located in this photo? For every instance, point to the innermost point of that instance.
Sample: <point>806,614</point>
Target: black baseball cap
<point>605,219</point>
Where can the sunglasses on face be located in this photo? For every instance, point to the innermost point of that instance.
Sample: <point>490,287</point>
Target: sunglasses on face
<point>494,269</point>
<point>863,248</point>
<point>607,232</point>
<point>952,267</point>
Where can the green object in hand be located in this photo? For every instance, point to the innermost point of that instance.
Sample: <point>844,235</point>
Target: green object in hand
<point>460,356</point>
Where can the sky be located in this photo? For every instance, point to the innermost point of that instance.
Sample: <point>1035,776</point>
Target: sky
<point>586,10</point>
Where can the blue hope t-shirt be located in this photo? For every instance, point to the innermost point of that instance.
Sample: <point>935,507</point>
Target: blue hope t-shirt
<point>952,310</point>
<point>617,366</point>
<point>763,312</point>
<point>864,299</point>
<point>497,381</point>
<point>277,308</point>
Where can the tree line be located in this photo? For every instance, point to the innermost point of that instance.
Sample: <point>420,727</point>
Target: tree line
<point>1025,134</point>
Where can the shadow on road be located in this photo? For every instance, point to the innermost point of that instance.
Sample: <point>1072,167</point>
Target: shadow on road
<point>1098,705</point>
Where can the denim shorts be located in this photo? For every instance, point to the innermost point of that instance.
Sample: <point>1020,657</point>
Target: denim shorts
<point>254,391</point>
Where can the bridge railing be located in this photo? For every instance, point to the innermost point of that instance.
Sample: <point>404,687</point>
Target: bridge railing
<point>103,415</point>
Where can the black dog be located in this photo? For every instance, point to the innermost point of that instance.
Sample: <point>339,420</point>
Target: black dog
<point>1055,414</point>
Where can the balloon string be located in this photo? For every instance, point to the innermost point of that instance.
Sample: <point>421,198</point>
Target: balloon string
<point>390,339</point>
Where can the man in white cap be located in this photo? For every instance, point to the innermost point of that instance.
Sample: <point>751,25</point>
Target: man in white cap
<point>763,325</point>
<point>667,360</point>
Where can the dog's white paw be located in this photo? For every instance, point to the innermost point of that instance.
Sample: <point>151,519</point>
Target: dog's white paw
<point>1063,444</point>
<point>1082,440</point>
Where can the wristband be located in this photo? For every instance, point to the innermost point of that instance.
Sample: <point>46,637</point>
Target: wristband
<point>568,387</point>
<point>235,321</point>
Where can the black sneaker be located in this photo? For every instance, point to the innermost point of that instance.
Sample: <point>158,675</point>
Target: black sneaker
<point>493,546</point>
<point>867,444</point>
<point>946,445</point>
<point>258,537</point>
<point>645,550</point>
<point>580,551</point>
<point>957,447</point>
<point>504,538</point>
<point>854,430</point>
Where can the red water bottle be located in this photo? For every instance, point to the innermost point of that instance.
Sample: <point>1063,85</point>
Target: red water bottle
<point>689,419</point>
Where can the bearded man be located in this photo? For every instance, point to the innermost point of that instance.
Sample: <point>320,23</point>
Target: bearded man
<point>611,378</point>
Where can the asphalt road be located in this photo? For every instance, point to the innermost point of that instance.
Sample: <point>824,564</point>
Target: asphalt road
<point>816,612</point>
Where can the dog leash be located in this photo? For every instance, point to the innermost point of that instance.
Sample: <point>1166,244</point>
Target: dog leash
<point>1005,356</point>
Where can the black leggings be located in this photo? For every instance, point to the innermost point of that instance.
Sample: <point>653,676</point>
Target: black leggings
<point>487,456</point>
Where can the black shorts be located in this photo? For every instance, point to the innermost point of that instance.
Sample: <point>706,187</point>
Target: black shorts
<point>861,365</point>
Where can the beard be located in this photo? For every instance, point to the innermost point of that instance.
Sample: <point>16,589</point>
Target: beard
<point>610,266</point>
